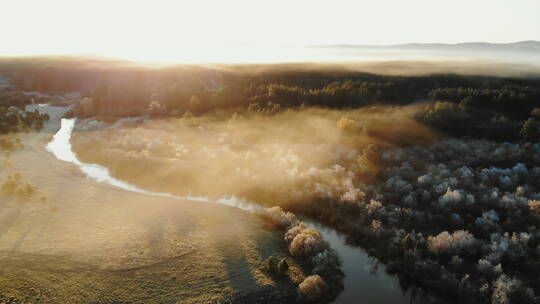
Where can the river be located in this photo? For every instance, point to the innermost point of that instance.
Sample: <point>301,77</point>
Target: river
<point>365,280</point>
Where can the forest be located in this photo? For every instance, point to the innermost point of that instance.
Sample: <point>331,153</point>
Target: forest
<point>459,105</point>
<point>451,205</point>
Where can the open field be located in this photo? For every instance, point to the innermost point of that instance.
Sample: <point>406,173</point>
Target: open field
<point>79,241</point>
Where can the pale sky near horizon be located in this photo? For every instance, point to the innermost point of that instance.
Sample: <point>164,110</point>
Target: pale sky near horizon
<point>146,29</point>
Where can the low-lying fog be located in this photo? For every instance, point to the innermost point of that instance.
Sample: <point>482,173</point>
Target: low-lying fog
<point>291,157</point>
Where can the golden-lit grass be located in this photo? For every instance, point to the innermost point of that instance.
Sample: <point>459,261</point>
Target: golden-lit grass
<point>89,242</point>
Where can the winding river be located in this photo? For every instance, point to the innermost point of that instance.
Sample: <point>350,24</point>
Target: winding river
<point>365,281</point>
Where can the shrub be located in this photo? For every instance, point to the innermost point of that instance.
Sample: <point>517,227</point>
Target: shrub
<point>510,290</point>
<point>529,131</point>
<point>283,266</point>
<point>535,112</point>
<point>282,218</point>
<point>271,264</point>
<point>312,288</point>
<point>155,109</point>
<point>328,265</point>
<point>445,242</point>
<point>15,185</point>
<point>305,242</point>
<point>534,205</point>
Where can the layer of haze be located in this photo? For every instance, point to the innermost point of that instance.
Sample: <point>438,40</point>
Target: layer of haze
<point>291,158</point>
<point>251,31</point>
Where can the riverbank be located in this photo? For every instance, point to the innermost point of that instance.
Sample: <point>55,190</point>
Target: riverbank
<point>79,241</point>
<point>158,149</point>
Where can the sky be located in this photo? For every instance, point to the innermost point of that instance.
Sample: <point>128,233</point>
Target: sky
<point>202,28</point>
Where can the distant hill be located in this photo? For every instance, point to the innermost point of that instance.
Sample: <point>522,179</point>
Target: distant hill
<point>529,45</point>
<point>522,52</point>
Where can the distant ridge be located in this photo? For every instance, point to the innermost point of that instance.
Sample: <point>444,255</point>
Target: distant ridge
<point>527,45</point>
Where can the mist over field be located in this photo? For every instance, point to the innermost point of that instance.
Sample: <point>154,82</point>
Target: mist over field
<point>299,152</point>
<point>291,158</point>
<point>522,52</point>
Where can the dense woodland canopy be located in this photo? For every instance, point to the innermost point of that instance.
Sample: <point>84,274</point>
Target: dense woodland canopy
<point>233,85</point>
<point>474,106</point>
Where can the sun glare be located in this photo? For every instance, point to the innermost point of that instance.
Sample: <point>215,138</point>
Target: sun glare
<point>220,53</point>
<point>241,31</point>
